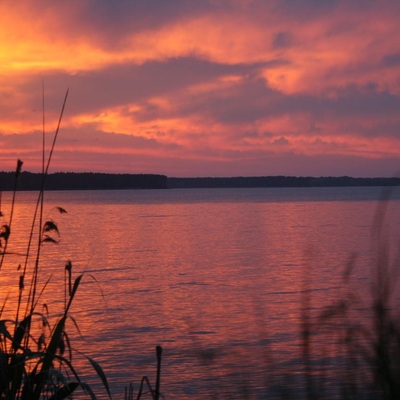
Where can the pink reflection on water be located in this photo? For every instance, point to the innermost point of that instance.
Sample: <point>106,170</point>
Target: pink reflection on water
<point>219,285</point>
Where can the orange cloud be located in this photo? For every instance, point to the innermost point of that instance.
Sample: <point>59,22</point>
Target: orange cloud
<point>50,37</point>
<point>335,41</point>
<point>212,82</point>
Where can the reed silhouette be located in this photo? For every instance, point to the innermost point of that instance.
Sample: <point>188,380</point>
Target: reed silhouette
<point>37,363</point>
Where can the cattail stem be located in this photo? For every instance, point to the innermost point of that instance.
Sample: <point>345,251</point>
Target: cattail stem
<point>158,379</point>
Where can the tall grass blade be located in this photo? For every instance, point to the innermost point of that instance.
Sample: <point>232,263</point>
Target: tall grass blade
<point>100,373</point>
<point>4,331</point>
<point>7,230</point>
<point>88,390</point>
<point>158,379</point>
<point>65,391</point>
<point>146,381</point>
<point>39,209</point>
<point>21,331</point>
<point>18,372</point>
<point>49,357</point>
<point>73,292</point>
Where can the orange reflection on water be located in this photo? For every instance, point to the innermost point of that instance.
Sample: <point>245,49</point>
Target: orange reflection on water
<point>219,284</point>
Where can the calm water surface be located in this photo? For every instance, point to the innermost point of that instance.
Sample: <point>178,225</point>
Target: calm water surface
<point>214,276</point>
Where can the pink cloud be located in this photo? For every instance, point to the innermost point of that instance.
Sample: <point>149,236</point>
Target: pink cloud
<point>220,87</point>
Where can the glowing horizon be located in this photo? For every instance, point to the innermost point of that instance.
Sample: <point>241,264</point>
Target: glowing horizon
<point>220,88</point>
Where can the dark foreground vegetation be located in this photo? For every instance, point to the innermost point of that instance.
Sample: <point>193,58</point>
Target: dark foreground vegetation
<point>35,347</point>
<point>36,350</point>
<point>37,357</point>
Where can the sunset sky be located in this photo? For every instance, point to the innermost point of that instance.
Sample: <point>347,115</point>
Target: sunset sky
<point>203,88</point>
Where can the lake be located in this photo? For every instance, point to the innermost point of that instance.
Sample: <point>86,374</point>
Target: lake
<point>218,277</point>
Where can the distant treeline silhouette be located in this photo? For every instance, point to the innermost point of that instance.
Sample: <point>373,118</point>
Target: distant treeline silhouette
<point>82,181</point>
<point>279,181</point>
<point>96,181</point>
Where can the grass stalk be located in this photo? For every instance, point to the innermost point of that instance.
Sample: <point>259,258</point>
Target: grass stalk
<point>38,365</point>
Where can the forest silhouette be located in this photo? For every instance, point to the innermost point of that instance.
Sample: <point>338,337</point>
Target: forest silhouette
<point>104,181</point>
